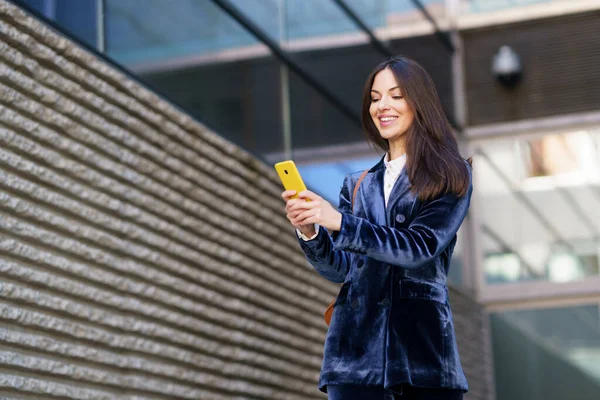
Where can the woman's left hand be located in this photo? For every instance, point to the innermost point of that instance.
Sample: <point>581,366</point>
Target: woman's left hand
<point>315,211</point>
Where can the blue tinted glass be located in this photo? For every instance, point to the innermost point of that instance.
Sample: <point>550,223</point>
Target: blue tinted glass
<point>37,5</point>
<point>491,5</point>
<point>265,14</point>
<point>315,17</point>
<point>78,18</point>
<point>197,56</point>
<point>371,12</point>
<point>155,31</point>
<point>327,178</point>
<point>549,219</point>
<point>409,5</point>
<point>547,354</point>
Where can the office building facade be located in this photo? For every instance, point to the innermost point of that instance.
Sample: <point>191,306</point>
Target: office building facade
<point>282,79</point>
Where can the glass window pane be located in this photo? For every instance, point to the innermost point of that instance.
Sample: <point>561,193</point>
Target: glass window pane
<point>240,101</point>
<point>540,206</point>
<point>494,5</point>
<point>326,178</point>
<point>316,22</point>
<point>190,54</point>
<point>311,18</point>
<point>315,121</point>
<point>78,18</point>
<point>153,33</point>
<point>547,354</point>
<point>268,15</point>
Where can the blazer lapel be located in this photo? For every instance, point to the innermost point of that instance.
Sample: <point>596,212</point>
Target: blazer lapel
<point>371,195</point>
<point>401,186</point>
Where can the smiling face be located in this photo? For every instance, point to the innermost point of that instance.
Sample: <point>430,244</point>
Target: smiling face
<point>415,125</point>
<point>389,109</point>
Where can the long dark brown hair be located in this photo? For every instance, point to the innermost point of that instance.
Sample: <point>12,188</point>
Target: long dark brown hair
<point>433,161</point>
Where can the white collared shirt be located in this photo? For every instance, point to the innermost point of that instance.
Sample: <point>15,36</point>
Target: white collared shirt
<point>392,172</point>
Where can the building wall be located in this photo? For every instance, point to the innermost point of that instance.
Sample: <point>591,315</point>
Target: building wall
<point>471,323</point>
<point>560,59</point>
<point>141,255</point>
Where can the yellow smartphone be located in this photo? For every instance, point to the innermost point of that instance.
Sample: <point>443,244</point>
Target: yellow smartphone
<point>290,177</point>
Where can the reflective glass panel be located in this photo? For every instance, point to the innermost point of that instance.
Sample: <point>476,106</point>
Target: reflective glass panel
<point>78,18</point>
<point>153,33</point>
<point>317,23</point>
<point>186,51</point>
<point>478,6</point>
<point>326,178</point>
<point>547,354</point>
<point>540,206</point>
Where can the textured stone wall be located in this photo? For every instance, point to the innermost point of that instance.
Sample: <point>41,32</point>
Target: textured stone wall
<point>141,256</point>
<point>471,323</point>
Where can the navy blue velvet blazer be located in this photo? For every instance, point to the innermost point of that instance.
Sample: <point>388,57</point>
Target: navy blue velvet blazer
<point>392,322</point>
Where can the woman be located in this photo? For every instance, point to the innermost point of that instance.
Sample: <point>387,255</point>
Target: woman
<point>391,333</point>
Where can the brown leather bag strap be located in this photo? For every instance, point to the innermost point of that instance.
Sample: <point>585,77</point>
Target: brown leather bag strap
<point>356,187</point>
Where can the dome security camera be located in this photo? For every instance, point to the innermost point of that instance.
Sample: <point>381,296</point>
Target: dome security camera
<point>506,66</point>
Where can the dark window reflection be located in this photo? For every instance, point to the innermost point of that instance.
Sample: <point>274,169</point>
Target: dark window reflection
<point>547,354</point>
<point>79,18</point>
<point>241,101</point>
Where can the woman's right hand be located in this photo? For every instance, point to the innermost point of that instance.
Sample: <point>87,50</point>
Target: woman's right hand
<point>307,230</point>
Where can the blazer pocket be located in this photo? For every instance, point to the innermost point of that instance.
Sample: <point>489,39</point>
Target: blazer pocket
<point>422,290</point>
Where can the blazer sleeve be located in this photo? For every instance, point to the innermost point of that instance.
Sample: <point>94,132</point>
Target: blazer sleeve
<point>423,240</point>
<point>332,264</point>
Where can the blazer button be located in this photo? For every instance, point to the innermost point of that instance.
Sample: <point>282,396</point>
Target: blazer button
<point>400,218</point>
<point>385,302</point>
<point>360,263</point>
<point>354,304</point>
